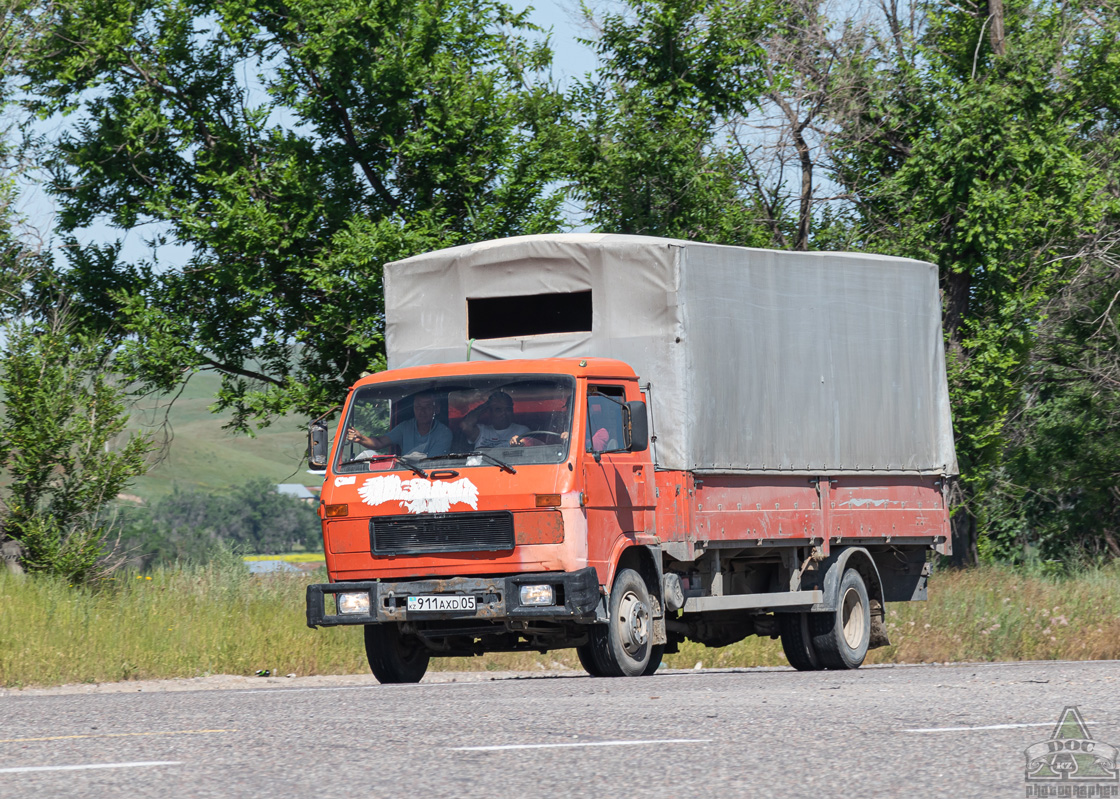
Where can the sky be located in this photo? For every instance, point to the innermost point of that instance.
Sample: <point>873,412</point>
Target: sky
<point>570,58</point>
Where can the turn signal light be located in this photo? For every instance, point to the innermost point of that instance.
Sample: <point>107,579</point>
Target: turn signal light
<point>331,511</point>
<point>548,500</point>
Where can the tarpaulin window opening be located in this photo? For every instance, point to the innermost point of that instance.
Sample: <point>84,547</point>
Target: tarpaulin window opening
<point>528,315</point>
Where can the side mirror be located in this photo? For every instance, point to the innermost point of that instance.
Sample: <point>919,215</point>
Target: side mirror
<point>637,426</point>
<point>317,450</point>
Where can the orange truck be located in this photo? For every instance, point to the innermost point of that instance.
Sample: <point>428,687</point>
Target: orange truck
<point>620,443</point>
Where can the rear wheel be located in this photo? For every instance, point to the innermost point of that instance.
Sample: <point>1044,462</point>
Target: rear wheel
<point>393,657</point>
<point>797,642</point>
<point>840,638</point>
<point>656,652</point>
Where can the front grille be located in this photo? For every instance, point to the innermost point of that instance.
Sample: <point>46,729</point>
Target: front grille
<point>441,532</point>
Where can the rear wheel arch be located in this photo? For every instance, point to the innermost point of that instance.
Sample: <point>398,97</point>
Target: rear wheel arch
<point>856,558</point>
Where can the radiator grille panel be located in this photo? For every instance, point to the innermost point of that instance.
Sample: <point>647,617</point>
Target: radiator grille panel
<point>441,532</point>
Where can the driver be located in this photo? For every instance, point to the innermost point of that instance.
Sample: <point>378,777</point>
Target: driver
<point>422,436</point>
<point>498,429</point>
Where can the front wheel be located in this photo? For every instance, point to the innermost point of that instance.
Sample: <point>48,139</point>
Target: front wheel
<point>841,637</point>
<point>622,647</point>
<point>393,657</point>
<point>587,659</point>
<point>656,653</point>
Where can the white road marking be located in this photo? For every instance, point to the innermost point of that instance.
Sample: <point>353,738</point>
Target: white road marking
<point>138,764</point>
<point>986,727</point>
<point>585,744</point>
<point>106,735</point>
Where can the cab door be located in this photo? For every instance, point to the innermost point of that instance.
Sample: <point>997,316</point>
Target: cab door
<point>618,485</point>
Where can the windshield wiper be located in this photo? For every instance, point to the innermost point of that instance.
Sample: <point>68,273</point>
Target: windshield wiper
<point>453,455</point>
<point>505,467</point>
<point>403,461</point>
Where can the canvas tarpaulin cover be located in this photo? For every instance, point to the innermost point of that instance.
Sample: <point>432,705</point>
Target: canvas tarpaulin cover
<point>757,360</point>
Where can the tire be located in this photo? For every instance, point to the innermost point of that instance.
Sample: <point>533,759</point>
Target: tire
<point>797,642</point>
<point>840,637</point>
<point>586,654</point>
<point>395,658</point>
<point>622,647</point>
<point>587,660</point>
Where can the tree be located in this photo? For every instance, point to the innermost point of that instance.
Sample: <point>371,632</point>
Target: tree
<point>295,147</point>
<point>988,150</point>
<point>1058,497</point>
<point>190,526</point>
<point>62,412</point>
<point>645,154</point>
<point>782,141</point>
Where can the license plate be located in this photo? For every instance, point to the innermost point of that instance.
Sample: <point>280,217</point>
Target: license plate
<point>441,602</point>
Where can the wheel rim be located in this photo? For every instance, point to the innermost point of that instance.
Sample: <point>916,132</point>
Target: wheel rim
<point>633,624</point>
<point>853,620</point>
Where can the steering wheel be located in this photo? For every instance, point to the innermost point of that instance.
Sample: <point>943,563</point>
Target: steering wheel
<point>538,433</point>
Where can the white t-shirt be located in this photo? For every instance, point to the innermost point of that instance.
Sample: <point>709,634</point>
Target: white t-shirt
<point>489,437</point>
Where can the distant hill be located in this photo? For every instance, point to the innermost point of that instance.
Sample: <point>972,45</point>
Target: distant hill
<point>205,457</point>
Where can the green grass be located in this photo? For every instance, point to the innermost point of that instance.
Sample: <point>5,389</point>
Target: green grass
<point>219,620</point>
<point>211,620</point>
<point>204,456</point>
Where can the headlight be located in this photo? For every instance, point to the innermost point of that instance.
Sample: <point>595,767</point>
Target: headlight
<point>353,603</point>
<point>536,595</point>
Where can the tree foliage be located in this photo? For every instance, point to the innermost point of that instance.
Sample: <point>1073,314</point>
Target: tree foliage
<point>190,526</point>
<point>62,416</point>
<point>1058,496</point>
<point>645,154</point>
<point>991,176</point>
<point>295,147</point>
<point>993,157</point>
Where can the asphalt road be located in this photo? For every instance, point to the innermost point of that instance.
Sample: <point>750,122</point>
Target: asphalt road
<point>942,731</point>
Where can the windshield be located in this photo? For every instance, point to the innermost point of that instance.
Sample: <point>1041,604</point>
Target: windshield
<point>492,420</point>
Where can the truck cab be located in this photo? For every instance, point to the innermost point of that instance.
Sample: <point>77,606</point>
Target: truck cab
<point>456,536</point>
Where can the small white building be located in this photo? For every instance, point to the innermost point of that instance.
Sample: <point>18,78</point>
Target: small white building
<point>296,490</point>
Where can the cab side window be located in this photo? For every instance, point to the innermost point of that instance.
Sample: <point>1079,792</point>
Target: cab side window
<point>604,418</point>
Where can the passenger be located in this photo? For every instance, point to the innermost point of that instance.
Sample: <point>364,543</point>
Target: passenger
<point>600,415</point>
<point>422,436</point>
<point>498,429</point>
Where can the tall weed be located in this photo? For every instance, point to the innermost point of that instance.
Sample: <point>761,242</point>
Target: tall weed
<point>218,619</point>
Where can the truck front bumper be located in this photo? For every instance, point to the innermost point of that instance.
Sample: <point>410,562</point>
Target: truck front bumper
<point>576,597</point>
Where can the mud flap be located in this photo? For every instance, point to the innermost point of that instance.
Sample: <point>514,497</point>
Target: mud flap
<point>878,626</point>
